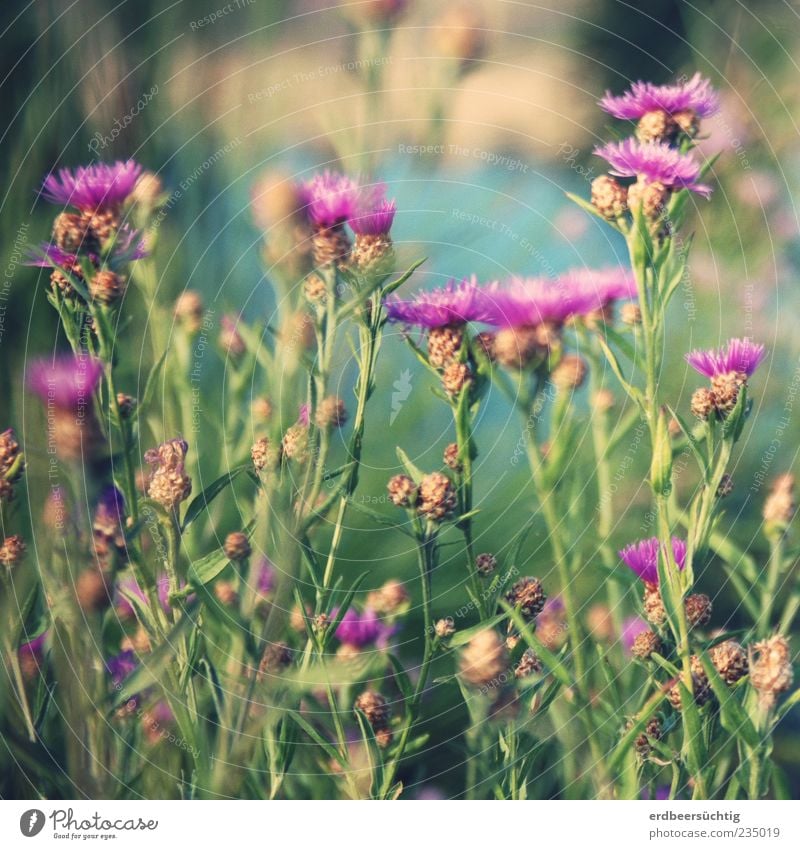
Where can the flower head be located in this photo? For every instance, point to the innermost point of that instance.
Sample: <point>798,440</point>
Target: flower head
<point>372,214</point>
<point>455,303</point>
<point>67,381</point>
<point>329,199</point>
<point>695,95</point>
<point>642,557</point>
<point>93,187</point>
<point>632,627</point>
<point>741,356</point>
<point>654,161</point>
<point>362,629</point>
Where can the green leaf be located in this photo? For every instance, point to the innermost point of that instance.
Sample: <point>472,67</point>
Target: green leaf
<point>400,675</point>
<point>462,637</point>
<point>413,472</point>
<point>201,501</point>
<point>550,660</point>
<point>634,393</point>
<point>204,571</point>
<point>344,605</point>
<point>330,750</point>
<point>590,208</point>
<point>623,748</point>
<point>731,714</point>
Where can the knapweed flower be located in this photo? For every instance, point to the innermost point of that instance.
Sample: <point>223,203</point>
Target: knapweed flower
<point>66,381</point>
<point>642,557</point>
<point>358,630</point>
<point>94,187</point>
<point>663,110</point>
<point>31,656</point>
<point>108,525</point>
<point>65,385</point>
<point>329,200</point>
<point>728,368</point>
<point>771,672</point>
<point>371,221</point>
<point>453,305</point>
<point>658,168</point>
<point>376,709</point>
<point>168,482</point>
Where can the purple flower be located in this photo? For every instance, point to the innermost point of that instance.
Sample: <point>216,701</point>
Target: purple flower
<point>656,162</point>
<point>632,626</point>
<point>129,585</point>
<point>67,380</point>
<point>373,214</point>
<point>120,666</point>
<point>696,95</point>
<point>265,576</point>
<point>329,199</point>
<point>128,247</point>
<point>661,794</point>
<point>741,356</point>
<point>531,301</point>
<point>303,417</point>
<point>92,187</point>
<point>455,303</point>
<point>642,557</point>
<point>362,629</point>
<point>33,650</point>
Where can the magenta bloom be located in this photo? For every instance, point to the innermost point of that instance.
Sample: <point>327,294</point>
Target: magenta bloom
<point>642,557</point>
<point>373,214</point>
<point>93,187</point>
<point>531,301</point>
<point>67,381</point>
<point>656,162</point>
<point>631,628</point>
<point>329,199</point>
<point>739,355</point>
<point>33,650</point>
<point>120,666</point>
<point>455,303</point>
<point>696,95</point>
<point>265,578</point>
<point>362,629</point>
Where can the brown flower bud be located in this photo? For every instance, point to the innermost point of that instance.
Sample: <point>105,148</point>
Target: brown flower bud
<point>314,289</point>
<point>600,623</point>
<point>92,590</point>
<point>702,403</point>
<point>12,551</point>
<point>402,491</point>
<point>276,657</point>
<point>770,669</point>
<point>331,412</point>
<point>517,347</point>
<point>700,686</point>
<point>485,564</point>
<point>437,497</point>
<point>603,400</point>
<point>698,610</point>
<point>373,253</point>
<point>376,709</point>
<point>730,660</point>
<point>656,125</point>
<point>725,388</point>
<point>609,198</point>
<point>528,664</point>
<point>262,409</point>
<point>264,454</point>
<point>652,730</point>
<point>237,546</point>
<point>444,345</point>
<point>725,487</point>
<point>486,341</point>
<point>654,610</point>
<point>687,121</point>
<point>107,287</point>
<point>528,595</point>
<point>455,377</point>
<point>189,310</point>
<point>444,627</point>
<point>645,644</point>
<point>126,404</point>
<point>295,443</point>
<point>780,506</point>
<point>72,234</point>
<point>570,373</point>
<point>484,660</point>
<point>652,197</point>
<point>451,457</point>
<point>226,594</point>
<point>631,314</point>
<point>389,598</point>
<point>330,245</point>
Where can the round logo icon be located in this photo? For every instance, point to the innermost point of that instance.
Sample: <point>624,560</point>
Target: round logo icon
<point>31,822</point>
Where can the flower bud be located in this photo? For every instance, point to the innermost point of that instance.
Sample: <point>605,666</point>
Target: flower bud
<point>730,660</point>
<point>451,458</point>
<point>702,403</point>
<point>528,664</point>
<point>237,546</point>
<point>402,491</point>
<point>609,198</point>
<point>330,413</point>
<point>444,627</point>
<point>528,595</point>
<point>107,287</point>
<point>376,709</point>
<point>484,661</point>
<point>700,686</point>
<point>645,644</point>
<point>189,310</point>
<point>770,669</point>
<point>570,373</point>
<point>437,497</point>
<point>444,345</point>
<point>698,610</point>
<point>12,551</point>
<point>485,564</point>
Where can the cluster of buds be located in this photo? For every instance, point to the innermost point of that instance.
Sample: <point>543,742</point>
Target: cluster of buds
<point>701,688</point>
<point>12,464</point>
<point>168,483</point>
<point>652,731</point>
<point>376,709</point>
<point>728,370</point>
<point>434,499</point>
<point>770,669</point>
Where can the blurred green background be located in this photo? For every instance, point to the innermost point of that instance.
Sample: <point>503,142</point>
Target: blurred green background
<point>502,99</point>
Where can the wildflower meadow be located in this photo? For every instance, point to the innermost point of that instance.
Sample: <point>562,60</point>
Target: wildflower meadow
<point>403,455</point>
